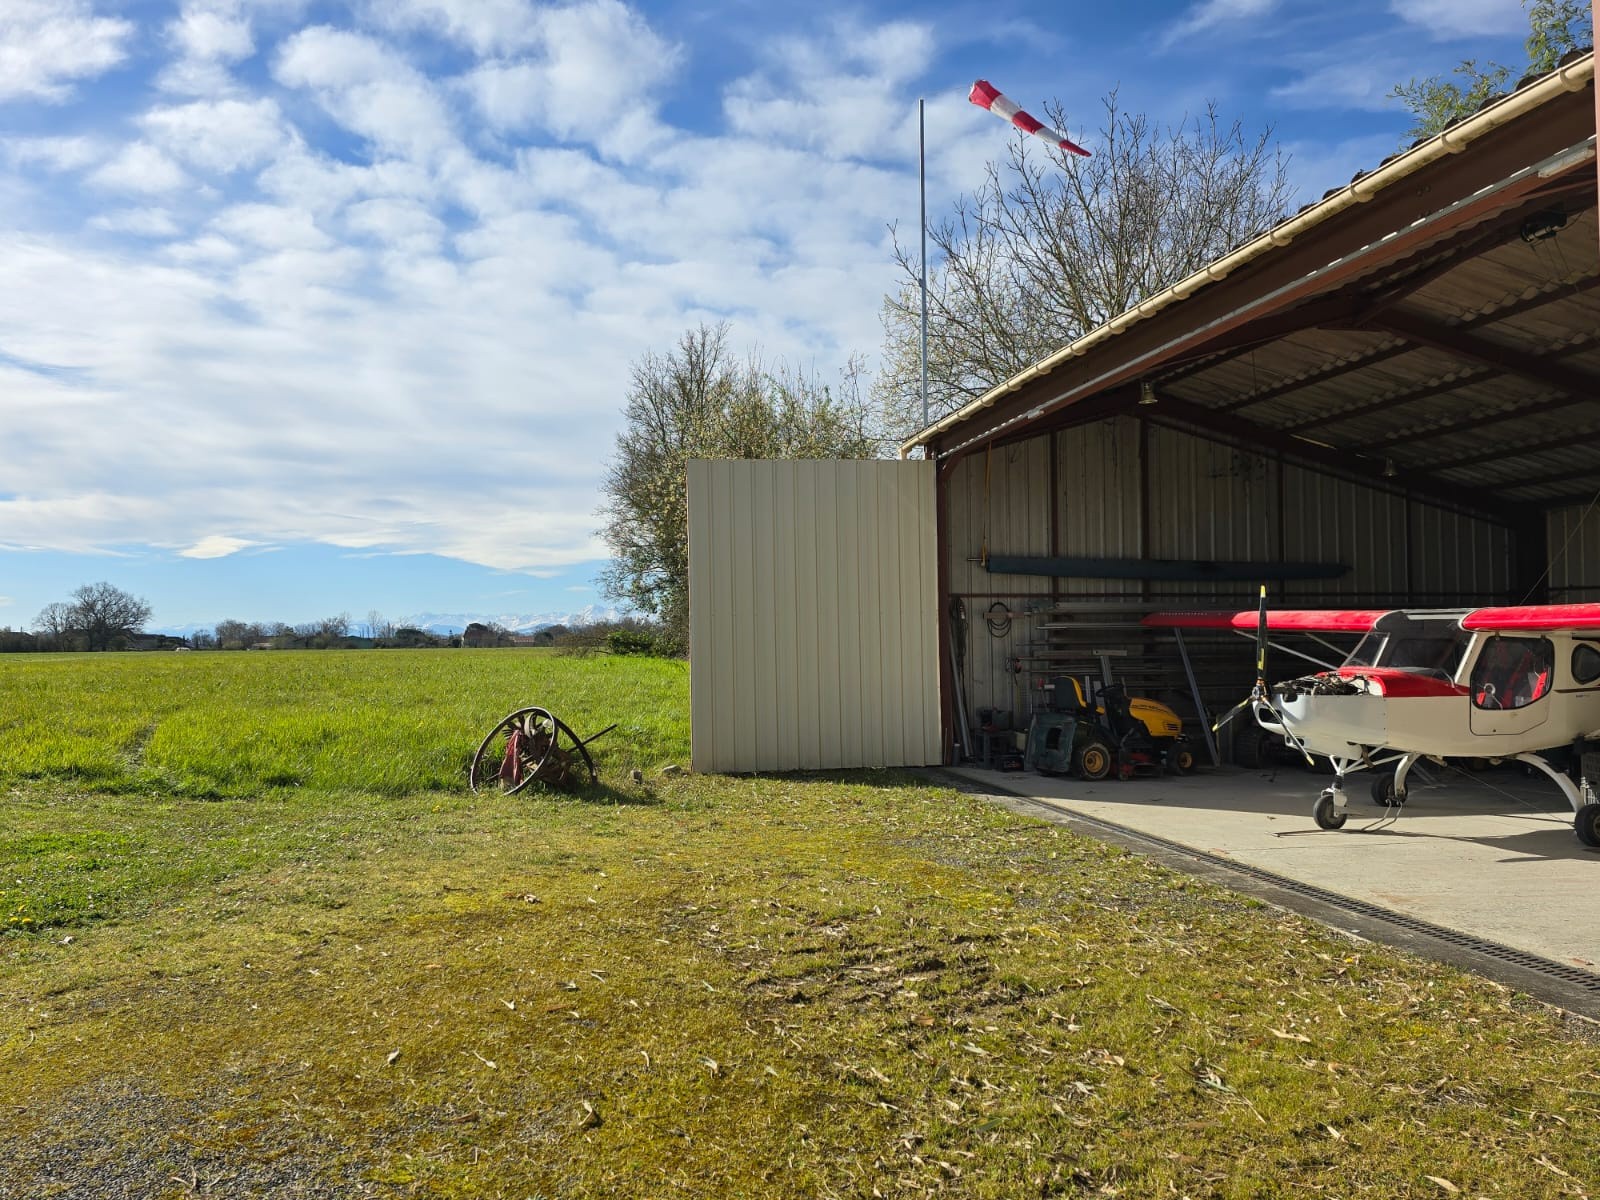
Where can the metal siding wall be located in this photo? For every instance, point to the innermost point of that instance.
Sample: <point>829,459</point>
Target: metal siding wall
<point>1013,506</point>
<point>1574,544</point>
<point>812,593</point>
<point>1207,501</point>
<point>1099,501</point>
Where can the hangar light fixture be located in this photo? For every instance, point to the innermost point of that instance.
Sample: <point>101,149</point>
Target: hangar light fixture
<point>1147,392</point>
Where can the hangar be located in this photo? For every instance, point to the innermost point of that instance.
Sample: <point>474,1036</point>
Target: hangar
<point>1390,399</point>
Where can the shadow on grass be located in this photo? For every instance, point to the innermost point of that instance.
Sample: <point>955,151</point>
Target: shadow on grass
<point>888,778</point>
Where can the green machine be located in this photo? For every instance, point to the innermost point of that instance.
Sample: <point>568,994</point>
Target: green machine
<point>1067,738</point>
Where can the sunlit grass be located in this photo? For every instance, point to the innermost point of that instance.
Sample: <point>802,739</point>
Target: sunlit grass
<point>390,722</point>
<point>713,987</point>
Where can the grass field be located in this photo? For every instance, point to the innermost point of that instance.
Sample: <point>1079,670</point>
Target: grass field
<point>261,941</point>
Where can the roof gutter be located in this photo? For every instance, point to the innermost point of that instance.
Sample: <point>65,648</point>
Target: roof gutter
<point>1570,78</point>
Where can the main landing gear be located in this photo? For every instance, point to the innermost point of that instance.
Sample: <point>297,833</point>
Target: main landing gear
<point>1331,810</point>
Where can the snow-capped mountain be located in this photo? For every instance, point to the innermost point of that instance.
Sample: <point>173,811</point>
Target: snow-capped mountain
<point>451,623</point>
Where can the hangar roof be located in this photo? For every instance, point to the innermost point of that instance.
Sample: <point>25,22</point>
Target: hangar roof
<point>1433,326</point>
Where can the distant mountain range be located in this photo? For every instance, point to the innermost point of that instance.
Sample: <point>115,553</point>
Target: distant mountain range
<point>449,623</point>
<point>453,623</point>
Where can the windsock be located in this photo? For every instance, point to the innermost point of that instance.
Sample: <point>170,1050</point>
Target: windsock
<point>985,95</point>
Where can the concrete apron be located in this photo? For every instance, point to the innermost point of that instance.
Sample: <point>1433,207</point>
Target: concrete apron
<point>1490,854</point>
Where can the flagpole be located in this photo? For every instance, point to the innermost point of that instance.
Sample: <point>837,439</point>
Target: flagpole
<point>922,189</point>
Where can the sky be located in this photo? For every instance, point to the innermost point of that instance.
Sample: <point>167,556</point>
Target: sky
<point>309,308</point>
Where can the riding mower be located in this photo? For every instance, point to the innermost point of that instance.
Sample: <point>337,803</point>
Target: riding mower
<point>1130,736</point>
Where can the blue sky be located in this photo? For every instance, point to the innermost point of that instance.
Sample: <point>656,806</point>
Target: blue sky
<point>311,307</point>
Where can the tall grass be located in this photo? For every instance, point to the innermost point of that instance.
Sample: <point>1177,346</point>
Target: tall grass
<point>387,722</point>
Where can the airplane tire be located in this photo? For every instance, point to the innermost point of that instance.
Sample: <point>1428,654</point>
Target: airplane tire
<point>1326,814</point>
<point>1587,824</point>
<point>1383,791</point>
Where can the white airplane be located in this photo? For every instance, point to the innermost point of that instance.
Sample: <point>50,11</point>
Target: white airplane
<point>1495,683</point>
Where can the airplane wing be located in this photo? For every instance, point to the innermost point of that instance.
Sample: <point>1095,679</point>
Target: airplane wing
<point>1308,620</point>
<point>1535,617</point>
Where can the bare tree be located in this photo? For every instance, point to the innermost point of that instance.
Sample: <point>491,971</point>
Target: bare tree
<point>1048,249</point>
<point>106,614</point>
<point>56,625</point>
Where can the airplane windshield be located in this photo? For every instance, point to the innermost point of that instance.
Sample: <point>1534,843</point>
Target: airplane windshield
<point>1405,644</point>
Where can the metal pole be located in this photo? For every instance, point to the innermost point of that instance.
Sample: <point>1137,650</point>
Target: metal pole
<point>1199,704</point>
<point>922,190</point>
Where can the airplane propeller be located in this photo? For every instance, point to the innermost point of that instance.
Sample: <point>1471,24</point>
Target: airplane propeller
<point>1260,696</point>
<point>1259,692</point>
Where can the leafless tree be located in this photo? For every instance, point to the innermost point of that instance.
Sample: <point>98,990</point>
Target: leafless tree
<point>56,625</point>
<point>1051,246</point>
<point>105,614</point>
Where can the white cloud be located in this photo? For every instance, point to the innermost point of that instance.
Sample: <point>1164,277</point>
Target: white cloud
<point>219,135</point>
<point>840,94</point>
<point>271,227</point>
<point>1451,19</point>
<point>1363,83</point>
<point>485,26</point>
<point>55,153</point>
<point>1208,15</point>
<point>588,78</point>
<point>47,44</point>
<point>212,32</point>
<point>140,167</point>
<point>216,546</point>
<point>141,222</point>
<point>370,90</point>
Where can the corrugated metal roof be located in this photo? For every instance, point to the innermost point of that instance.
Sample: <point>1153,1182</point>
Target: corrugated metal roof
<point>1471,363</point>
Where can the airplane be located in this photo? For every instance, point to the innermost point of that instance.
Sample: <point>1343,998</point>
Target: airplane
<point>1516,682</point>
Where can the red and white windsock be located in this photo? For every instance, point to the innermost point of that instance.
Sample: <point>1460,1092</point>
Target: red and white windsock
<point>985,95</point>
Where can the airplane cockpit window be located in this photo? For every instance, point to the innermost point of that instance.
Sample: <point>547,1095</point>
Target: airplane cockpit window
<point>1512,672</point>
<point>1585,663</point>
<point>1367,651</point>
<point>1428,647</point>
<point>1434,655</point>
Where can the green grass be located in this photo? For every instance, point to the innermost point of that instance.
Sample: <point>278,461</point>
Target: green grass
<point>712,987</point>
<point>389,722</point>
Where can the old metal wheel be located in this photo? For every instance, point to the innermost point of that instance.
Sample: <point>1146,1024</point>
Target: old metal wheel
<point>511,754</point>
<point>529,744</point>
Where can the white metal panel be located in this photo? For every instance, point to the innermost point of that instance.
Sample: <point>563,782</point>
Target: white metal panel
<point>813,615</point>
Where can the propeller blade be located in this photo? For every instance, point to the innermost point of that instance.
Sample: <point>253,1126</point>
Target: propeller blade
<point>1232,713</point>
<point>1261,638</point>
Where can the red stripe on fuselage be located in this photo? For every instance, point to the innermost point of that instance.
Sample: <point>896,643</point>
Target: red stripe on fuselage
<point>1397,683</point>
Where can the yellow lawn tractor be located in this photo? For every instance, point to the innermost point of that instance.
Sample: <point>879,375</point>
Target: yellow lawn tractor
<point>1128,735</point>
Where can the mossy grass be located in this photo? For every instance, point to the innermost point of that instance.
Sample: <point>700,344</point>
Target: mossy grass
<point>840,986</point>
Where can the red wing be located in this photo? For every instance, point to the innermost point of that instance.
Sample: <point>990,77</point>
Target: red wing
<point>1307,620</point>
<point>1547,617</point>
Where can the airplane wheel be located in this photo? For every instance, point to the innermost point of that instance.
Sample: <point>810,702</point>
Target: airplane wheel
<point>1185,760</point>
<point>1326,814</point>
<point>1094,759</point>
<point>1383,791</point>
<point>1587,823</point>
